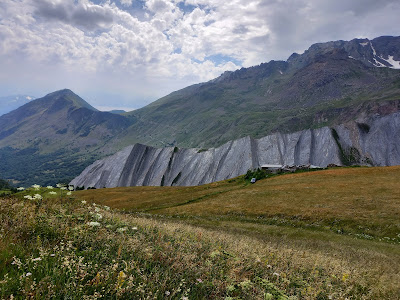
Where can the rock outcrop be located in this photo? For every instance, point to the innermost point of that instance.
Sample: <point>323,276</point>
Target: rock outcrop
<point>373,142</point>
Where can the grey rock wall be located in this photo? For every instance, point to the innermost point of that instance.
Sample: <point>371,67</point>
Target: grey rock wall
<point>372,142</point>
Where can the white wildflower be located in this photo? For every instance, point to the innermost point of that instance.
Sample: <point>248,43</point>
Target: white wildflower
<point>167,293</point>
<point>20,188</point>
<point>134,228</point>
<point>53,193</point>
<point>36,187</point>
<point>16,261</point>
<point>63,188</point>
<point>97,209</point>
<point>69,194</point>
<point>83,201</point>
<point>94,224</point>
<point>122,229</point>
<point>49,187</point>
<point>28,274</point>
<point>59,185</point>
<point>36,259</point>
<point>37,197</point>
<point>98,216</point>
<point>29,197</point>
<point>106,207</point>
<point>71,187</point>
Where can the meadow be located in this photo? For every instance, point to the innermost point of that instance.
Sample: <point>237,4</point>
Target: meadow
<point>331,234</point>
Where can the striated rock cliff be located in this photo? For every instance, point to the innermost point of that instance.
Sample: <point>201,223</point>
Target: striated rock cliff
<point>372,142</point>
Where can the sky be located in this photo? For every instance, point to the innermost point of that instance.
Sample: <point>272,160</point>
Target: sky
<point>127,53</point>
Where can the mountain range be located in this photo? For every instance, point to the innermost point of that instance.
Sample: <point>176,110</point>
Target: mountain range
<point>54,138</point>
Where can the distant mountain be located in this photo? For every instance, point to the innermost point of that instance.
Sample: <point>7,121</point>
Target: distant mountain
<point>9,103</point>
<point>117,111</point>
<point>49,139</point>
<point>329,84</point>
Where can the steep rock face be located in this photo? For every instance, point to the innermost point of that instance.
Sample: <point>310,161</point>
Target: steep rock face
<point>374,143</point>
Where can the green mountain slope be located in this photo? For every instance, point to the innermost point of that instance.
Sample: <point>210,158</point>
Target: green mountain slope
<point>52,138</point>
<point>324,86</point>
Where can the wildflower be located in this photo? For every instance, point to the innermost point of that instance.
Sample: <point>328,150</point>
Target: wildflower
<point>70,187</point>
<point>106,207</point>
<point>53,193</point>
<point>69,194</point>
<point>230,288</point>
<point>275,274</point>
<point>29,197</point>
<point>98,216</point>
<point>121,278</point>
<point>214,253</point>
<point>122,229</point>
<point>36,187</point>
<point>167,293</point>
<point>37,197</point>
<point>20,188</point>
<point>16,261</point>
<point>49,187</point>
<point>134,228</point>
<point>28,274</point>
<point>199,280</point>
<point>52,255</point>
<point>63,188</point>
<point>97,209</point>
<point>83,201</point>
<point>94,224</point>
<point>36,259</point>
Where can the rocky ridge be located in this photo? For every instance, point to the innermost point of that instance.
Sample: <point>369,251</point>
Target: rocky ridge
<point>374,143</point>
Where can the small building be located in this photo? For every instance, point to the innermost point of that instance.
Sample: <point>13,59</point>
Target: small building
<point>272,168</point>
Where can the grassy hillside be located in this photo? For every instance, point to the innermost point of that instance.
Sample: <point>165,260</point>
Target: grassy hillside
<point>341,219</point>
<point>320,235</point>
<point>361,201</point>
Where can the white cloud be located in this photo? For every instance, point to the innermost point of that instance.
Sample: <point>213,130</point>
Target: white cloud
<point>126,2</point>
<point>110,108</point>
<point>169,44</point>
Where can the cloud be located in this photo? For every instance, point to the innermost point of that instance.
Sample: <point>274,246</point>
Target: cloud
<point>126,2</point>
<point>83,14</point>
<point>148,48</point>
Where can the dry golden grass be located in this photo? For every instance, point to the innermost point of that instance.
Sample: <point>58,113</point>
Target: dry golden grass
<point>365,194</point>
<point>357,197</point>
<point>346,220</point>
<point>151,198</point>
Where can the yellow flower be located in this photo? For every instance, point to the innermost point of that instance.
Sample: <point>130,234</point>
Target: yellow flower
<point>121,279</point>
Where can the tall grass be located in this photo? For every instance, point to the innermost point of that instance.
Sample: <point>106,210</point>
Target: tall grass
<point>76,250</point>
